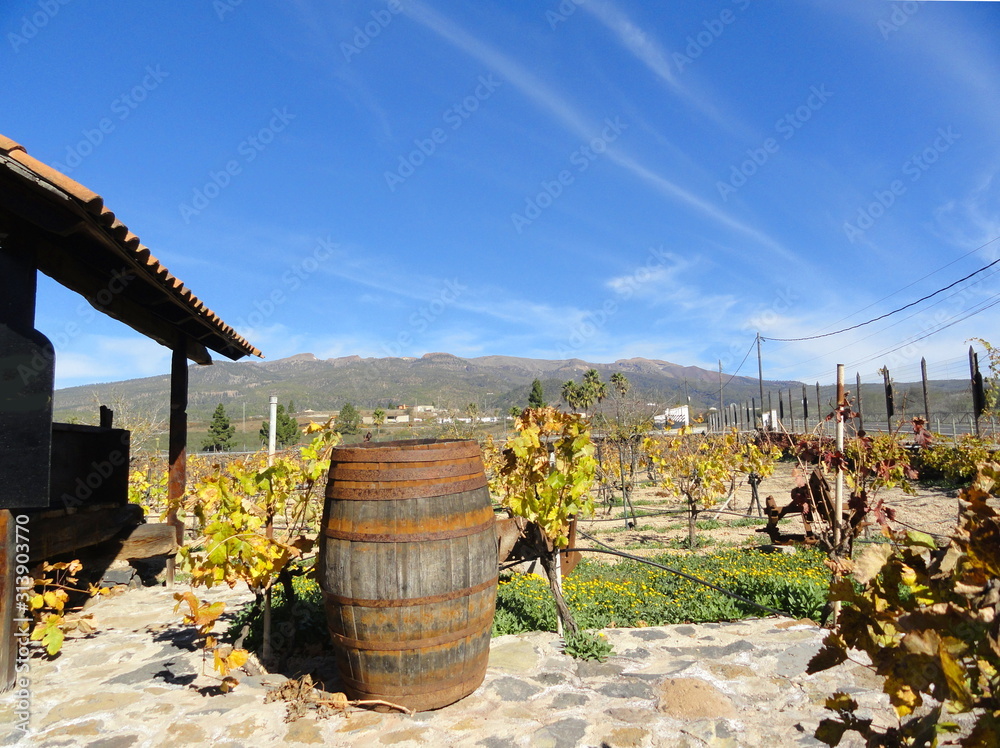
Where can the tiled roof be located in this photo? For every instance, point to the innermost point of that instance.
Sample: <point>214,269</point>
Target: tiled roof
<point>199,322</point>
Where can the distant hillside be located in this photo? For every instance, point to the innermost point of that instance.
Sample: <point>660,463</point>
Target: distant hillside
<point>439,379</point>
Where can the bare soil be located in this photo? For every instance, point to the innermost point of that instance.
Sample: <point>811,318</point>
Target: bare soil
<point>931,509</point>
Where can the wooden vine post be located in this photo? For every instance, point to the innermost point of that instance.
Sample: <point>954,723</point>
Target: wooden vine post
<point>838,505</point>
<point>838,496</point>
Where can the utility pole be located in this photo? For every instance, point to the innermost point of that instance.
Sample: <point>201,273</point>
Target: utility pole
<point>720,385</point>
<point>272,429</point>
<point>760,380</point>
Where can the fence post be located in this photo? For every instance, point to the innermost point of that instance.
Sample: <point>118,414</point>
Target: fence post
<point>890,409</point>
<point>978,399</point>
<point>861,412</point>
<point>923,378</point>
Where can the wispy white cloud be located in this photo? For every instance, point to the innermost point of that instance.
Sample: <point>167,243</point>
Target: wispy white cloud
<point>635,40</point>
<point>368,269</point>
<point>668,188</point>
<point>558,108</point>
<point>645,48</point>
<point>674,283</point>
<point>973,219</point>
<point>108,359</point>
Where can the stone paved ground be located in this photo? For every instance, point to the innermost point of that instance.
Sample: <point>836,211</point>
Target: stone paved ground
<point>137,682</point>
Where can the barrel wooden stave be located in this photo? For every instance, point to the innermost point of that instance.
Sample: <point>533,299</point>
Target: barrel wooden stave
<point>409,578</point>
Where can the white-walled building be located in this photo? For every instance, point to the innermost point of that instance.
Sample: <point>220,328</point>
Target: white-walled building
<point>679,416</point>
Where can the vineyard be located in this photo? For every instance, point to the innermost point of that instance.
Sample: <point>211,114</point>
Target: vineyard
<point>676,527</point>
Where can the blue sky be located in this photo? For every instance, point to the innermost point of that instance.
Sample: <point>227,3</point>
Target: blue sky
<point>603,180</point>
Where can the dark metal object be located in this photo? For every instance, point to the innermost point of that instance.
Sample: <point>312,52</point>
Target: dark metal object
<point>890,406</point>
<point>923,379</point>
<point>978,394</point>
<point>27,372</point>
<point>177,469</point>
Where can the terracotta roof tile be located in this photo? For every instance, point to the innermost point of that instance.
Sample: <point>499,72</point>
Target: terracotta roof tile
<point>126,240</point>
<point>131,241</point>
<point>93,202</point>
<point>10,145</point>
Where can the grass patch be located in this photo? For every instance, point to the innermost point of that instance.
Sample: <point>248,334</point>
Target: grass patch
<point>634,594</point>
<point>622,528</point>
<point>600,594</point>
<point>676,544</point>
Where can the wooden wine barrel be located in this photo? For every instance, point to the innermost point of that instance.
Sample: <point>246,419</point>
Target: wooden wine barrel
<point>408,569</point>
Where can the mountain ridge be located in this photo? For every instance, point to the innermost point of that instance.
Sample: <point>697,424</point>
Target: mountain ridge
<point>494,382</point>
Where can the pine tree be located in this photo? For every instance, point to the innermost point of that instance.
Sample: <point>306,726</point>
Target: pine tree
<point>536,398</point>
<point>348,420</point>
<point>220,432</point>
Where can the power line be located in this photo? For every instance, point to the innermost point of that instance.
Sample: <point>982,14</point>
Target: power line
<point>745,357</point>
<point>878,332</point>
<point>895,311</point>
<point>925,277</point>
<point>913,340</point>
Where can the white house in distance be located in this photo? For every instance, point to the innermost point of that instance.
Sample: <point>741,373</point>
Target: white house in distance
<point>679,416</point>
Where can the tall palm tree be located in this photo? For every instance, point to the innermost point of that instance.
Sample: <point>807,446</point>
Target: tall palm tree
<point>620,382</point>
<point>571,393</point>
<point>593,388</point>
